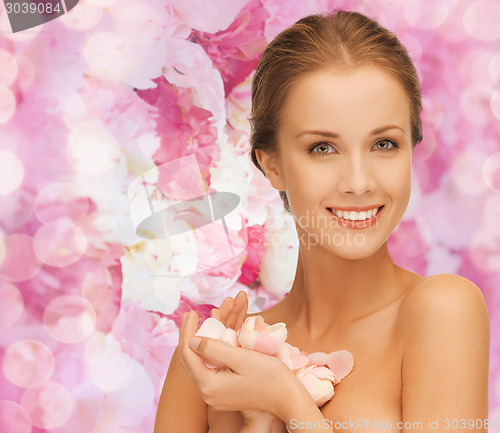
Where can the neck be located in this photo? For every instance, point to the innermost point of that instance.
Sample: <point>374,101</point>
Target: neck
<point>330,291</point>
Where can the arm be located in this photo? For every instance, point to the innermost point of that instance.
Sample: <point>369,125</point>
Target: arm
<point>446,356</point>
<point>181,408</point>
<point>232,314</point>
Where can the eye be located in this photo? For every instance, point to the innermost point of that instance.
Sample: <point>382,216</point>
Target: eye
<point>322,148</point>
<point>386,144</point>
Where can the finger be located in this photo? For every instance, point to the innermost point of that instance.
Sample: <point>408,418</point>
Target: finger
<point>225,309</point>
<point>243,312</point>
<point>236,358</point>
<point>215,313</point>
<point>236,311</point>
<point>193,364</point>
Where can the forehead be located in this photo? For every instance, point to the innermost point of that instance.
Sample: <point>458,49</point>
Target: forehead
<point>359,99</point>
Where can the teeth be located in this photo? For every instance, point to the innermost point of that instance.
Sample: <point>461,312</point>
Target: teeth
<point>355,216</point>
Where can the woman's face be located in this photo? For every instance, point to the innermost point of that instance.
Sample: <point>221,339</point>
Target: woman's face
<point>344,143</point>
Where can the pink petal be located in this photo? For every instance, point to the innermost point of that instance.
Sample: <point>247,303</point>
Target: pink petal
<point>212,328</point>
<point>284,355</point>
<point>326,397</point>
<point>318,358</point>
<point>321,390</point>
<point>267,344</point>
<point>259,324</point>
<point>278,331</point>
<point>341,363</point>
<point>323,373</point>
<point>229,337</point>
<point>297,358</point>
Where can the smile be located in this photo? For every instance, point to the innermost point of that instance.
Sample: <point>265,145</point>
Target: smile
<point>356,220</point>
<point>355,216</point>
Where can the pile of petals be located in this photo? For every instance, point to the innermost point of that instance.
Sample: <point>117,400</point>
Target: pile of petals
<point>318,371</point>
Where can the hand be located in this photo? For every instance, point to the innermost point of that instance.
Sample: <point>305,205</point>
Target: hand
<point>240,386</point>
<point>232,315</point>
<point>232,312</point>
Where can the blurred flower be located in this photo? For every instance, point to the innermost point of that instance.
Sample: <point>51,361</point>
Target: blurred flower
<point>147,338</point>
<point>235,51</point>
<point>184,129</point>
<point>255,250</point>
<point>208,15</point>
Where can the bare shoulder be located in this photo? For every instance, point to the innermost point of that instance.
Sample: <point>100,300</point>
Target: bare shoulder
<point>443,290</point>
<point>446,338</point>
<point>444,300</point>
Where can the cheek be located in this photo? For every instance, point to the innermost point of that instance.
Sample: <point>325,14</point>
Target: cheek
<point>397,181</point>
<point>301,173</point>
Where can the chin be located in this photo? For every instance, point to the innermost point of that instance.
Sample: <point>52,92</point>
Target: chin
<point>354,253</point>
<point>354,248</point>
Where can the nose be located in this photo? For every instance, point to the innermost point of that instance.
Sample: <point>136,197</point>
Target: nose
<point>356,176</point>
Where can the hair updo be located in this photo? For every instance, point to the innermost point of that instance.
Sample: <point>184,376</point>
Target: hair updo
<point>341,39</point>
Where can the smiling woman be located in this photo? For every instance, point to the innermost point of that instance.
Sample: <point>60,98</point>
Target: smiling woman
<point>335,120</point>
<point>355,173</point>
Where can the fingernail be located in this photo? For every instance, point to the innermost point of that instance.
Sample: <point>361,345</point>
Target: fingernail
<point>194,342</point>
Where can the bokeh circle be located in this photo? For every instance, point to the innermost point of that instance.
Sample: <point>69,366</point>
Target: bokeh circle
<point>28,363</point>
<point>14,418</point>
<point>11,306</point>
<point>49,405</point>
<point>69,319</point>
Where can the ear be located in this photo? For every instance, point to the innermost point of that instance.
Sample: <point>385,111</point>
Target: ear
<point>269,161</point>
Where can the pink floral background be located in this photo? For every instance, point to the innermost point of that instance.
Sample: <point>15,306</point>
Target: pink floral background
<point>89,102</point>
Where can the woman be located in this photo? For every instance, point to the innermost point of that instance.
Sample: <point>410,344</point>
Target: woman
<point>335,119</point>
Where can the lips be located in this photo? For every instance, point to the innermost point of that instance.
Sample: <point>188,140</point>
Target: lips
<point>357,224</point>
<point>347,213</point>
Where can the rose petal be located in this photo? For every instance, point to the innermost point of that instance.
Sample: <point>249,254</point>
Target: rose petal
<point>256,335</point>
<point>321,390</point>
<point>341,363</point>
<point>267,344</point>
<point>258,324</point>
<point>278,331</point>
<point>212,328</point>
<point>298,359</point>
<point>229,337</point>
<point>318,358</point>
<point>284,355</point>
<point>322,373</point>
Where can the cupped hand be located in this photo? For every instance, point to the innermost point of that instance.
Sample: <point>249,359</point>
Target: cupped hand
<point>251,381</point>
<point>232,314</point>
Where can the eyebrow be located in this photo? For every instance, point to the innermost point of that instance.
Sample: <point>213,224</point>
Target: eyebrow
<point>335,135</point>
